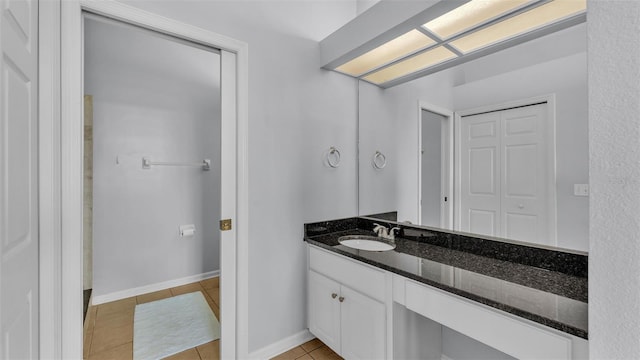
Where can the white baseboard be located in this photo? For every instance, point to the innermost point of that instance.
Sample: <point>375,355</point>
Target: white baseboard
<point>445,357</point>
<point>283,345</point>
<point>118,295</point>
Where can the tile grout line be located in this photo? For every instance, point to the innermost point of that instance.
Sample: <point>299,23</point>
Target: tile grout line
<point>198,351</point>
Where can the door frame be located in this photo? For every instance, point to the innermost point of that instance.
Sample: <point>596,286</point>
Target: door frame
<point>61,139</point>
<point>550,99</point>
<point>446,179</point>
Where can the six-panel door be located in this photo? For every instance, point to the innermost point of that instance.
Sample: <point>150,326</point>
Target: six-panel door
<point>504,171</point>
<point>19,315</point>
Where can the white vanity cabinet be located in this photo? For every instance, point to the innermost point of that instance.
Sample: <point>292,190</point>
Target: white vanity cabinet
<point>347,306</point>
<point>363,312</point>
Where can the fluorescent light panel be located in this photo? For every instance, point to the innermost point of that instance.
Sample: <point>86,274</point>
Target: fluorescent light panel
<point>471,14</point>
<point>528,21</point>
<point>416,63</point>
<point>392,50</point>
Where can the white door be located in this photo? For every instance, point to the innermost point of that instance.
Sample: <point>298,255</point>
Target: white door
<point>363,326</point>
<point>504,172</point>
<point>324,310</point>
<point>228,206</point>
<point>18,180</point>
<point>524,195</point>
<point>480,174</point>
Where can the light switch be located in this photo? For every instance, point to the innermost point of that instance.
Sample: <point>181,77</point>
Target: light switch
<point>581,189</point>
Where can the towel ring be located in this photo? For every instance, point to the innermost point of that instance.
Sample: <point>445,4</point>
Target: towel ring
<point>379,160</point>
<point>335,155</point>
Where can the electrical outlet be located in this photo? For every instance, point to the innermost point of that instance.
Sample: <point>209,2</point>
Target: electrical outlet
<point>581,189</point>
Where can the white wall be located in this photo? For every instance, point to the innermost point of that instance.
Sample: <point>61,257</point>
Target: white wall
<point>614,153</point>
<point>296,112</point>
<point>364,5</point>
<point>158,98</point>
<point>376,124</point>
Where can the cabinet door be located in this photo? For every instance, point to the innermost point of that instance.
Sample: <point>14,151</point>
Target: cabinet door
<point>363,323</point>
<point>324,310</point>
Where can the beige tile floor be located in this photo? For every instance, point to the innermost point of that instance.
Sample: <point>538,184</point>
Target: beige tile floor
<point>311,350</point>
<point>108,329</point>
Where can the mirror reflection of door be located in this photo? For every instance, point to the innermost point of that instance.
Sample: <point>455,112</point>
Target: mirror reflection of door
<point>504,172</point>
<point>433,169</point>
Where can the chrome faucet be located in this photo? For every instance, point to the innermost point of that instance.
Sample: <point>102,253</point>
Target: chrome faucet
<point>380,230</point>
<point>385,232</point>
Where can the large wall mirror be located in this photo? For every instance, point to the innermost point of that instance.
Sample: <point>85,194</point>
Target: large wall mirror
<point>497,146</point>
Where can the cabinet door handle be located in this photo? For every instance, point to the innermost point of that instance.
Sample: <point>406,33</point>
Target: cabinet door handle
<point>341,298</point>
<point>333,296</point>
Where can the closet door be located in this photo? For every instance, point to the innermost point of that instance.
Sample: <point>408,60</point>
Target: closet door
<point>480,160</point>
<point>524,196</point>
<point>504,171</point>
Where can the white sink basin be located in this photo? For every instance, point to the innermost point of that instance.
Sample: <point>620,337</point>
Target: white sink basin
<point>363,242</point>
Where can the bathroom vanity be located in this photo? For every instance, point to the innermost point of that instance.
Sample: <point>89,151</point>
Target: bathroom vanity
<point>504,297</point>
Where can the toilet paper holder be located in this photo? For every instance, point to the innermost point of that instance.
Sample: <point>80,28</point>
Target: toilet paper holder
<point>187,230</point>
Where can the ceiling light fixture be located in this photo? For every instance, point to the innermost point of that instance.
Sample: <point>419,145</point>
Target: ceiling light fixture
<point>403,45</point>
<point>453,36</point>
<point>471,14</point>
<point>424,60</point>
<point>533,19</point>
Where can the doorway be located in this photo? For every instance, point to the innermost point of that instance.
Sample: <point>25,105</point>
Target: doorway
<point>152,177</point>
<point>435,143</point>
<point>62,181</point>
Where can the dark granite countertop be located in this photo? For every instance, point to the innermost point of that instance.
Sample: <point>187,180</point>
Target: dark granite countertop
<point>555,298</point>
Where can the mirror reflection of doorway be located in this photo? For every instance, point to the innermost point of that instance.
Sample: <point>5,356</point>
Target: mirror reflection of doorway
<point>435,194</point>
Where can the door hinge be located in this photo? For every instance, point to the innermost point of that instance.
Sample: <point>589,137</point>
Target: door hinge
<point>225,225</point>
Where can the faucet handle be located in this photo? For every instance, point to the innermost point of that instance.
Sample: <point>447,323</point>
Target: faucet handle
<point>380,230</point>
<point>392,232</point>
